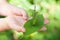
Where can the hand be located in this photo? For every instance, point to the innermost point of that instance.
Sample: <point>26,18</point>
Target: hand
<point>7,9</point>
<point>14,23</point>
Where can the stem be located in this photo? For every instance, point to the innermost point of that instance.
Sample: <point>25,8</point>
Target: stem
<point>34,15</point>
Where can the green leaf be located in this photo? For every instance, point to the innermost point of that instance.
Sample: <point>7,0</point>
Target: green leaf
<point>30,28</point>
<point>31,1</point>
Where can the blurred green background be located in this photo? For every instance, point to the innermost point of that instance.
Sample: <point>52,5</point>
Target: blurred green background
<point>50,8</point>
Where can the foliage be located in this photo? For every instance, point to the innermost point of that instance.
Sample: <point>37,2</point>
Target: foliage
<point>50,7</point>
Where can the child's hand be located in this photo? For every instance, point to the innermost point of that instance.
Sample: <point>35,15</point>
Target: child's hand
<point>7,9</point>
<point>15,19</point>
<point>14,23</point>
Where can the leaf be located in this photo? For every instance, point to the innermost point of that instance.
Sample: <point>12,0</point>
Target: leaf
<point>30,28</point>
<point>31,1</point>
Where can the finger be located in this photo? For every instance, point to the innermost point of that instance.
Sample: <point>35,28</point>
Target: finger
<point>17,28</point>
<point>24,13</point>
<point>21,12</point>
<point>14,25</point>
<point>17,12</point>
<point>21,21</point>
<point>42,29</point>
<point>46,21</point>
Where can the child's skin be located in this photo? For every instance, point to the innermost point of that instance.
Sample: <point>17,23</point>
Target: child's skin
<point>11,22</point>
<point>16,17</point>
<point>11,11</point>
<point>7,9</point>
